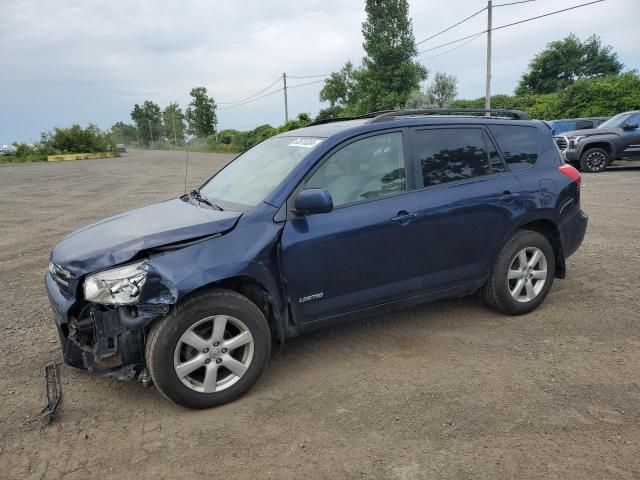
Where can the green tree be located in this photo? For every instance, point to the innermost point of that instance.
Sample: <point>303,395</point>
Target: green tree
<point>173,126</point>
<point>302,120</point>
<point>442,91</point>
<point>589,97</point>
<point>340,89</point>
<point>563,62</point>
<point>388,73</point>
<point>124,133</point>
<point>148,120</point>
<point>201,114</point>
<point>76,139</point>
<point>604,96</point>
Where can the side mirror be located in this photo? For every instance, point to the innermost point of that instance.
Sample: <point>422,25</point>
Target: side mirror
<point>629,126</point>
<point>314,200</point>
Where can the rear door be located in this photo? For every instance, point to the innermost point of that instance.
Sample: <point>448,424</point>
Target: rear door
<point>362,253</point>
<point>468,201</point>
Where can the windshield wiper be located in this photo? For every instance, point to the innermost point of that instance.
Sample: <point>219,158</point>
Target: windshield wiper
<point>196,194</point>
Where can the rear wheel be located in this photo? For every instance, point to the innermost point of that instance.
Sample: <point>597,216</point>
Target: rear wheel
<point>594,160</point>
<point>522,275</point>
<point>210,350</point>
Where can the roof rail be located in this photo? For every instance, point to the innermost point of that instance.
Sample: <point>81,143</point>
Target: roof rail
<point>497,112</point>
<point>343,119</point>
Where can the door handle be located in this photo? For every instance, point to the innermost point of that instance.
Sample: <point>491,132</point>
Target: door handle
<point>403,217</point>
<point>508,196</point>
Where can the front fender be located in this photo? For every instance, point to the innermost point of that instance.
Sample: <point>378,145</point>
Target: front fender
<point>250,251</point>
<point>591,142</point>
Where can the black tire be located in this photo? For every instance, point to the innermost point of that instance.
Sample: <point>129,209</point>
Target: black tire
<point>594,160</point>
<point>496,291</point>
<point>166,332</point>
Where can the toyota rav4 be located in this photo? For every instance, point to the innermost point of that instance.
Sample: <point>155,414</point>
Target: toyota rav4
<point>334,221</point>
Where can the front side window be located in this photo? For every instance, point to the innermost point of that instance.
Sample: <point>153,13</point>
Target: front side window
<point>519,145</point>
<point>633,120</point>
<point>248,179</point>
<point>615,121</point>
<point>365,169</point>
<point>450,154</point>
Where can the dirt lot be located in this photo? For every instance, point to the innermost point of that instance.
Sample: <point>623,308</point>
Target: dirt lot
<point>447,390</point>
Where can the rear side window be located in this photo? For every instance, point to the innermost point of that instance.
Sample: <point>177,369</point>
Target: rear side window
<point>450,154</point>
<point>584,124</point>
<point>519,145</point>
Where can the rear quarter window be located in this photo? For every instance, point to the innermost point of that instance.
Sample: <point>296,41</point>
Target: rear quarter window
<point>519,144</point>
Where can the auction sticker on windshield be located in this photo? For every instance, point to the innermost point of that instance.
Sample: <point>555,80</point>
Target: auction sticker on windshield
<point>305,142</point>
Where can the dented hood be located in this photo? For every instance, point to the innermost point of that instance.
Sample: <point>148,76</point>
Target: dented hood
<point>119,238</point>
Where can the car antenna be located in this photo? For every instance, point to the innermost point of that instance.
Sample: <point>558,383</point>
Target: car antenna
<point>186,167</point>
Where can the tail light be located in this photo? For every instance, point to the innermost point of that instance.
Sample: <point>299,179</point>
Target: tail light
<point>571,172</point>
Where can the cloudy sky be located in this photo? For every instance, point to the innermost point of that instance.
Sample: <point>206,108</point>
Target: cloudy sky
<point>65,62</point>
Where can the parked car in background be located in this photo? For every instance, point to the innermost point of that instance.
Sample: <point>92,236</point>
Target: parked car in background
<point>121,147</point>
<point>341,219</point>
<point>594,149</point>
<point>570,124</point>
<point>7,150</point>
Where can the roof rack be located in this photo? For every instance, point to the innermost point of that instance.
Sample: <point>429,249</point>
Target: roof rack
<point>357,117</point>
<point>497,112</point>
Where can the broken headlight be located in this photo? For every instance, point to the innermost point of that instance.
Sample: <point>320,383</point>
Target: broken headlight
<point>118,286</point>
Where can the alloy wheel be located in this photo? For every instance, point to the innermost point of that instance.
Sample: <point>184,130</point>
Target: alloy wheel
<point>596,161</point>
<point>527,274</point>
<point>213,354</point>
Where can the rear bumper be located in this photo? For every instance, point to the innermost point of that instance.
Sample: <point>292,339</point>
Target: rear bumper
<point>572,232</point>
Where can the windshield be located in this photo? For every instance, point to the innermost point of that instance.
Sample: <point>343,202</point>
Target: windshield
<point>248,179</point>
<point>616,121</point>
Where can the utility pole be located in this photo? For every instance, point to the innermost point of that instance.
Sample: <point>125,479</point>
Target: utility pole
<point>487,97</point>
<point>151,133</point>
<point>286,105</point>
<point>175,137</point>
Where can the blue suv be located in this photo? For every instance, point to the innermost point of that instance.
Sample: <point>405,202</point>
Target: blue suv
<point>334,221</point>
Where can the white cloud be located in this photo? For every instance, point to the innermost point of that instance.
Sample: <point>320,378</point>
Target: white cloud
<point>86,61</point>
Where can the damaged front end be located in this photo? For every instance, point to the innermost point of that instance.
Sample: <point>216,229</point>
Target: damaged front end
<point>103,318</point>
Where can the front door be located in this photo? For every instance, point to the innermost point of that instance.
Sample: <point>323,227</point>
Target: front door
<point>632,137</point>
<point>363,253</point>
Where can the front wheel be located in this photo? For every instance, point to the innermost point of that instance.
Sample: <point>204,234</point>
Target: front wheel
<point>522,275</point>
<point>210,350</point>
<point>594,160</point>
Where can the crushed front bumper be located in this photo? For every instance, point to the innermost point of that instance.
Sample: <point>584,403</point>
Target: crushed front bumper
<point>95,339</point>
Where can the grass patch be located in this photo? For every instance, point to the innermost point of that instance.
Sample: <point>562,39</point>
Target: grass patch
<point>21,159</point>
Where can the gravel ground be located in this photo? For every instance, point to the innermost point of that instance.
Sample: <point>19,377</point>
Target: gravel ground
<point>446,390</point>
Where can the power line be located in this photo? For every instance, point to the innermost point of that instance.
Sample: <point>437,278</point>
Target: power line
<point>452,49</point>
<point>452,26</point>
<point>452,42</point>
<point>303,84</point>
<point>308,76</point>
<point>253,99</point>
<point>510,25</point>
<point>547,14</point>
<point>271,93</point>
<point>513,3</point>
<point>254,95</point>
